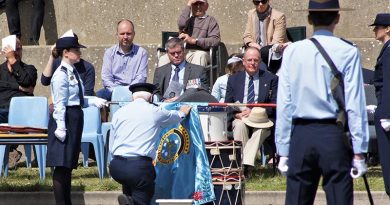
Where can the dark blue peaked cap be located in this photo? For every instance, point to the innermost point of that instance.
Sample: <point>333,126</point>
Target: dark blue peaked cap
<point>382,19</point>
<point>68,42</point>
<point>325,5</point>
<point>142,87</point>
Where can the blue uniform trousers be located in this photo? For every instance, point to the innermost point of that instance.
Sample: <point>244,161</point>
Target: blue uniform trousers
<point>137,175</point>
<point>319,148</point>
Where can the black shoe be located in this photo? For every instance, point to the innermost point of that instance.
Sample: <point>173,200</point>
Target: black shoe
<point>248,171</point>
<point>125,200</point>
<point>14,158</point>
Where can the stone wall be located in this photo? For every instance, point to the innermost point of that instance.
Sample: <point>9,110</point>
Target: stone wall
<point>95,22</point>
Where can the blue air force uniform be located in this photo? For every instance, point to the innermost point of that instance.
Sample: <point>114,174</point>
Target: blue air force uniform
<point>306,129</point>
<point>65,89</point>
<point>133,139</point>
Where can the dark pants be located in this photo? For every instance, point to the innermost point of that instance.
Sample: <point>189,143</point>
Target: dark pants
<point>319,149</point>
<point>4,115</point>
<point>384,152</point>
<point>136,176</point>
<point>13,18</point>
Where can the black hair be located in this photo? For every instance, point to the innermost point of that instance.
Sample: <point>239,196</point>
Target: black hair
<point>322,18</point>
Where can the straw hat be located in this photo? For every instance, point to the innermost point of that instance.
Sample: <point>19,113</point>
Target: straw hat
<point>258,118</point>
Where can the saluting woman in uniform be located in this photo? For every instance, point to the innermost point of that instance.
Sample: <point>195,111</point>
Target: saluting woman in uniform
<point>382,89</point>
<point>66,125</point>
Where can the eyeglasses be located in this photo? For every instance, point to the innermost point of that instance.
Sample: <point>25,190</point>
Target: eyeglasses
<point>261,1</point>
<point>175,53</point>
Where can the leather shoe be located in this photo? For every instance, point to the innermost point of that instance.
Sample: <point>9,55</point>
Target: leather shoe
<point>123,199</point>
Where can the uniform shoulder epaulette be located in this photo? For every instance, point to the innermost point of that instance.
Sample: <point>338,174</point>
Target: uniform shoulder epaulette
<point>349,42</point>
<point>63,69</point>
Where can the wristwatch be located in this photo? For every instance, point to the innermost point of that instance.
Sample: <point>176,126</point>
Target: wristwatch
<point>196,41</point>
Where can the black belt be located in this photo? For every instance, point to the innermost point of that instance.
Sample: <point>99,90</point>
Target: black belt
<point>74,106</point>
<point>302,121</point>
<point>133,158</point>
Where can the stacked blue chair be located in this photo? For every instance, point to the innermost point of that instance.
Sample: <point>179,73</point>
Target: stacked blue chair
<point>92,134</point>
<point>29,112</point>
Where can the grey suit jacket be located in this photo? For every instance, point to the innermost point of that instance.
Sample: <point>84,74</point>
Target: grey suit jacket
<point>162,77</point>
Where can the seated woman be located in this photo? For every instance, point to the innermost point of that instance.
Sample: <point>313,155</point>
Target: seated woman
<point>234,65</point>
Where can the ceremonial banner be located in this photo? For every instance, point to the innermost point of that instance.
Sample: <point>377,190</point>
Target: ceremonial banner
<point>182,168</point>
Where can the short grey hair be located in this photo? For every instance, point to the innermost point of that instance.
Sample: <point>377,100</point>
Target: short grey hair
<point>173,42</point>
<point>142,94</point>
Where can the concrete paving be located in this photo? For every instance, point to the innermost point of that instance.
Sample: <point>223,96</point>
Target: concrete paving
<point>110,198</point>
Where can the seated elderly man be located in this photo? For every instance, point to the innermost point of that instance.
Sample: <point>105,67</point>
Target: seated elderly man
<point>199,31</point>
<point>250,86</point>
<point>174,78</point>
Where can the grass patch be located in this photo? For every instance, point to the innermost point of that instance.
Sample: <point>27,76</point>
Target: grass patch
<point>87,179</point>
<point>264,179</point>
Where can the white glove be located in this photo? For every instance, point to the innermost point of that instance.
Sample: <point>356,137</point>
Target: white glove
<point>371,108</point>
<point>385,123</point>
<point>359,168</point>
<point>282,166</point>
<point>60,132</point>
<point>97,102</point>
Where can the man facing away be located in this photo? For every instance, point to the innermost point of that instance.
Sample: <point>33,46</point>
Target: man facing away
<point>134,134</point>
<point>309,140</point>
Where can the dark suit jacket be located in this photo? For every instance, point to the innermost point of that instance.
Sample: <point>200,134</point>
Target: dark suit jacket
<point>162,77</point>
<point>382,83</point>
<point>268,84</point>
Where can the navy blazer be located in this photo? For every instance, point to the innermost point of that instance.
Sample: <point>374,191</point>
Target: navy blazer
<point>268,85</point>
<point>162,77</point>
<point>382,82</point>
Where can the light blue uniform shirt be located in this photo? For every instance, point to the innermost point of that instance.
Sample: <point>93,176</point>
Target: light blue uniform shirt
<point>219,88</point>
<point>124,68</point>
<point>64,90</point>
<point>304,88</point>
<point>136,126</point>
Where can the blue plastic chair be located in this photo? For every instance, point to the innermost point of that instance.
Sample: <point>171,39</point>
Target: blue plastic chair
<point>122,95</point>
<point>31,112</point>
<point>91,134</point>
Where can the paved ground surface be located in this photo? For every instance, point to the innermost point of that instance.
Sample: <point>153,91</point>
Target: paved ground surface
<point>109,198</point>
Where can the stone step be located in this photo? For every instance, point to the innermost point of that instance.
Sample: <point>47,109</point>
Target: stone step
<point>95,20</point>
<point>110,198</point>
<point>38,56</point>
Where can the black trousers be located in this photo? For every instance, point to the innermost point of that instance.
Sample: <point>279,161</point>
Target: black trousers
<point>384,152</point>
<point>13,18</point>
<point>319,149</point>
<point>137,177</point>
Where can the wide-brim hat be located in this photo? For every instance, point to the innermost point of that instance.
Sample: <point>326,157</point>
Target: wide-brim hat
<point>147,87</point>
<point>382,19</point>
<point>325,5</point>
<point>258,118</point>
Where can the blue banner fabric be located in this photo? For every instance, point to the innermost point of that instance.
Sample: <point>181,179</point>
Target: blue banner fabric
<point>182,167</point>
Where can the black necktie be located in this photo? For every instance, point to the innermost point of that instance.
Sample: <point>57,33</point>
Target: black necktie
<point>176,75</point>
<point>81,94</point>
<point>251,91</point>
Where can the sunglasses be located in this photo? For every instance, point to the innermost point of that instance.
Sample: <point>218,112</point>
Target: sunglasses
<point>258,2</point>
